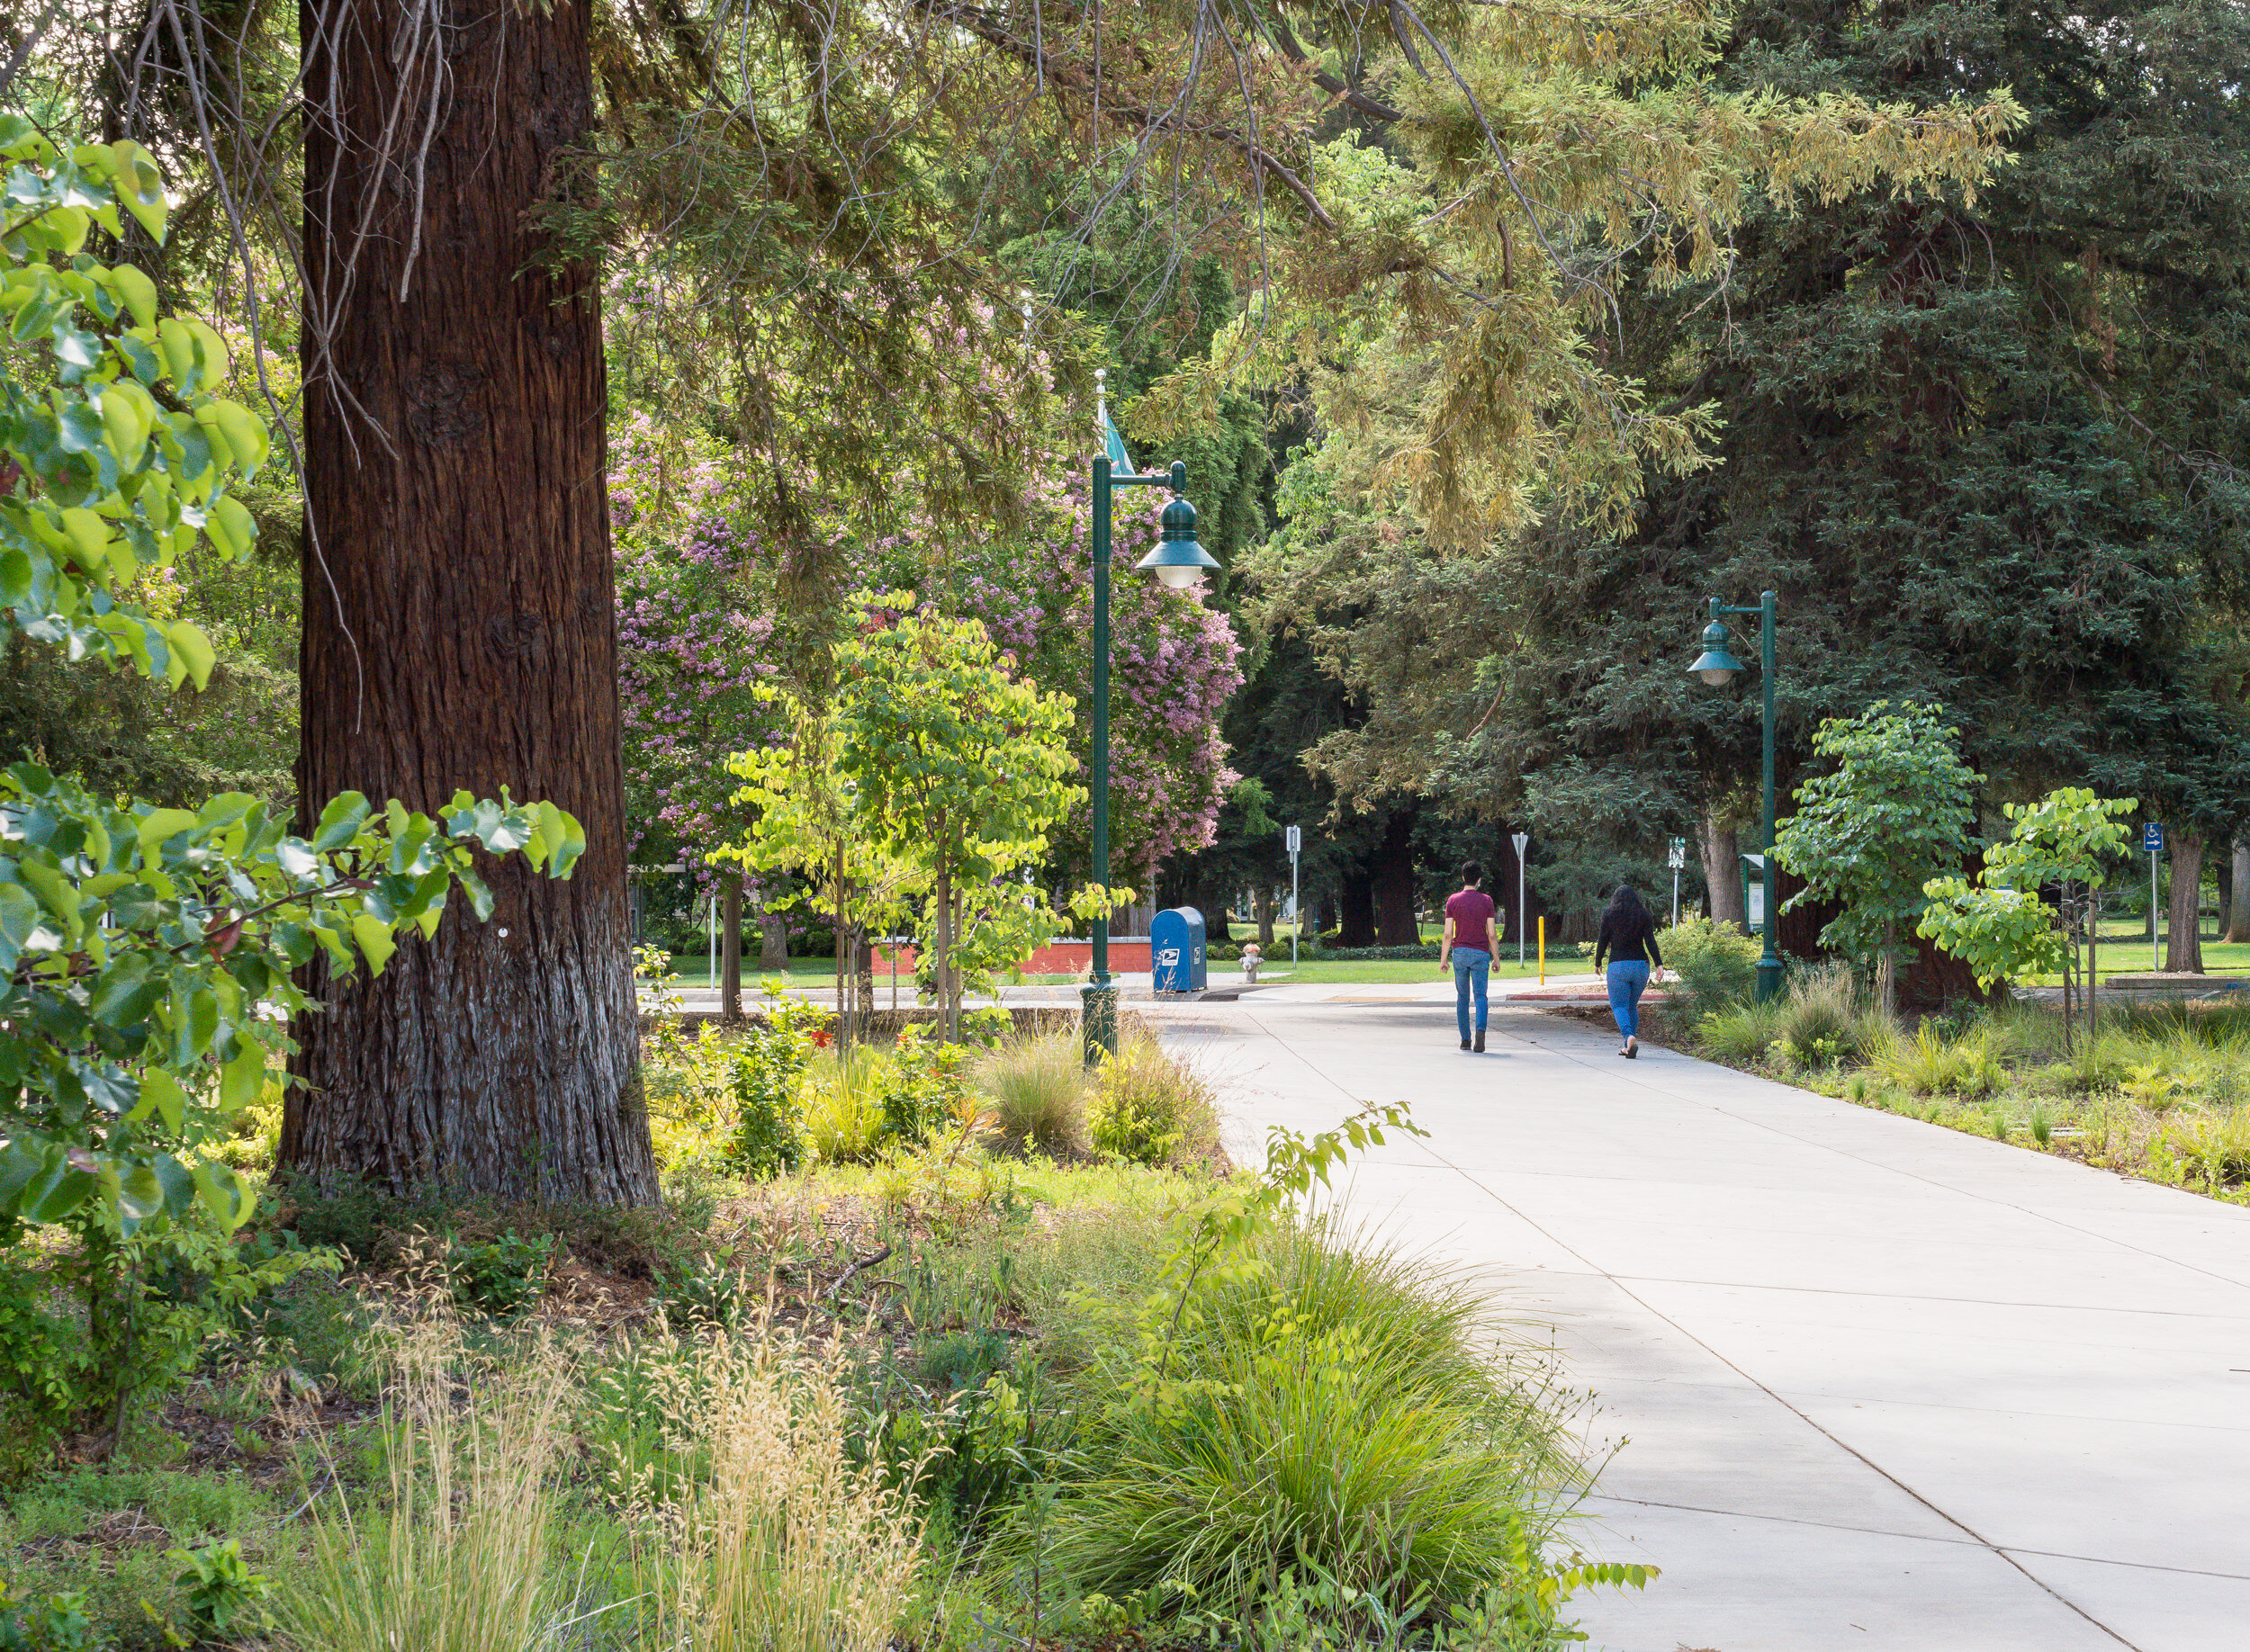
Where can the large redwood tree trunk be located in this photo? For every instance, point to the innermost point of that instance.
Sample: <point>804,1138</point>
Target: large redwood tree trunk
<point>2183,929</point>
<point>458,622</point>
<point>1716,842</point>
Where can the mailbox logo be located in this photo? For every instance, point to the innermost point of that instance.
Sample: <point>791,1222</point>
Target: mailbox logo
<point>1169,958</point>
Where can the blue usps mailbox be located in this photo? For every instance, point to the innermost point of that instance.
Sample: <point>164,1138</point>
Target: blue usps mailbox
<point>1175,950</point>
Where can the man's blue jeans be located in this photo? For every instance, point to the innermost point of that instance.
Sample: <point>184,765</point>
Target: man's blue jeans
<point>1627,981</point>
<point>1472,966</point>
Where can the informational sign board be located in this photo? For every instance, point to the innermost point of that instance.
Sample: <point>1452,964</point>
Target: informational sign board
<point>1293,840</point>
<point>1678,856</point>
<point>2152,838</point>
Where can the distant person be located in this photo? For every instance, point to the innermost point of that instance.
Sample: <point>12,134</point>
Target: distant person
<point>1628,938</point>
<point>1469,925</point>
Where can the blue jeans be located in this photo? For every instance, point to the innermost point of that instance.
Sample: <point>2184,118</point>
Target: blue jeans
<point>1472,966</point>
<point>1627,981</point>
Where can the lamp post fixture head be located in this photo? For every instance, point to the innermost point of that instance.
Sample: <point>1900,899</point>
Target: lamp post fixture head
<point>1178,560</point>
<point>1715,665</point>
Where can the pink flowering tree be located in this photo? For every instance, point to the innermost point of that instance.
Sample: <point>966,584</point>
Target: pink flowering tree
<point>695,633</point>
<point>1175,664</point>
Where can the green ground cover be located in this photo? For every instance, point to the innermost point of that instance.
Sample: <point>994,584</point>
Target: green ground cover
<point>931,1347</point>
<point>2156,1090</point>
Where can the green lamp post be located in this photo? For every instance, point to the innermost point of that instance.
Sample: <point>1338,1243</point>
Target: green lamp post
<point>1718,667</point>
<point>1180,563</point>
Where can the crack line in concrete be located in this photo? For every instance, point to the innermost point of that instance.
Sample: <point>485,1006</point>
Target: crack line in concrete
<point>1978,1538</point>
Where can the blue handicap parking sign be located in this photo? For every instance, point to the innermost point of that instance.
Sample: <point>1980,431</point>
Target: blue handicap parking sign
<point>2152,838</point>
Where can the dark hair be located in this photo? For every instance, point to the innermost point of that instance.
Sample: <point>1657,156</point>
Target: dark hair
<point>1471,872</point>
<point>1627,901</point>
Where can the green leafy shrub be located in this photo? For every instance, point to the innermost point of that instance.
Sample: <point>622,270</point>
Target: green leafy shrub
<point>762,1082</point>
<point>1335,1411</point>
<point>224,1596</point>
<point>1037,1090</point>
<point>501,1276</point>
<point>1150,1108</point>
<point>1716,964</point>
<point>57,1623</point>
<point>150,958</point>
<point>924,1085</point>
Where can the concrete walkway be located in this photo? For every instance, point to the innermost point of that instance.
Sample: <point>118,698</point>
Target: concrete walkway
<point>1880,1386</point>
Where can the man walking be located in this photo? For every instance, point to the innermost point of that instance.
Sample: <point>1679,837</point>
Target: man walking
<point>1469,926</point>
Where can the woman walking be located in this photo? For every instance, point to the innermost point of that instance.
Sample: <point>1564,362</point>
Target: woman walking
<point>1628,939</point>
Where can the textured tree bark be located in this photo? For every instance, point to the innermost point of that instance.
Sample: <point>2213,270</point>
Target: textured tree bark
<point>2238,913</point>
<point>1722,870</point>
<point>773,942</point>
<point>1266,903</point>
<point>459,628</point>
<point>1356,922</point>
<point>730,946</point>
<point>2183,938</point>
<point>1395,924</point>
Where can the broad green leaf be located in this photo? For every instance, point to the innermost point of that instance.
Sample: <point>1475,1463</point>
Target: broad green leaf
<point>224,1194</point>
<point>55,1188</point>
<point>193,648</point>
<point>376,939</point>
<point>139,295</point>
<point>159,825</point>
<point>160,1090</point>
<point>340,822</point>
<point>19,920</point>
<point>241,1079</point>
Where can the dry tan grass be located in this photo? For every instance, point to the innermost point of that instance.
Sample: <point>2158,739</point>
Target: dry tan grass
<point>754,1530</point>
<point>459,1561</point>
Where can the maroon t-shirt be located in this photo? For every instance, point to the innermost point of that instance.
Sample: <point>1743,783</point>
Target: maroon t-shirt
<point>1472,913</point>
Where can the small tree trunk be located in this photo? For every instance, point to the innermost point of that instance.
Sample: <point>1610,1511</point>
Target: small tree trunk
<point>2238,909</point>
<point>773,942</point>
<point>1721,869</point>
<point>731,946</point>
<point>941,972</point>
<point>1268,901</point>
<point>2183,946</point>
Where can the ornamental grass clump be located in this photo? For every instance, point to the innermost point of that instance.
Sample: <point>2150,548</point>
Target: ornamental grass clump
<point>839,1102</point>
<point>1330,1411</point>
<point>1743,1035</point>
<point>755,1527</point>
<point>1038,1092</point>
<point>457,1553</point>
<point>1828,1021</point>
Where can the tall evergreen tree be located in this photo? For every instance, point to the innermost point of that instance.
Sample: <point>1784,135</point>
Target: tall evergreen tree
<point>1986,446</point>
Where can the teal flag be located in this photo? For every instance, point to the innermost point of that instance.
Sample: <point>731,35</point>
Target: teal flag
<point>1112,444</point>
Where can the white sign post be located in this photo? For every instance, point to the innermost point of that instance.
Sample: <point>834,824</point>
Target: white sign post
<point>1293,840</point>
<point>1678,859</point>
<point>2152,838</point>
<point>1521,840</point>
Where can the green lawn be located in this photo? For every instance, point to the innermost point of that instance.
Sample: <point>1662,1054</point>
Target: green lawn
<point>693,972</point>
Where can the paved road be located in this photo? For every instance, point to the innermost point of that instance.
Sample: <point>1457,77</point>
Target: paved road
<point>1882,1387</point>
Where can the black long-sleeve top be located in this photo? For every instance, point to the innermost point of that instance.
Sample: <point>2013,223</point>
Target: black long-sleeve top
<point>1628,938</point>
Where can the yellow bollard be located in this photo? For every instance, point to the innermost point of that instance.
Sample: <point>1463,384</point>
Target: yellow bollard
<point>1542,949</point>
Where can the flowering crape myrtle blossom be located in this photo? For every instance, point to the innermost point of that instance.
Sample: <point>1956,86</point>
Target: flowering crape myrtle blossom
<point>1174,664</point>
<point>695,635</point>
